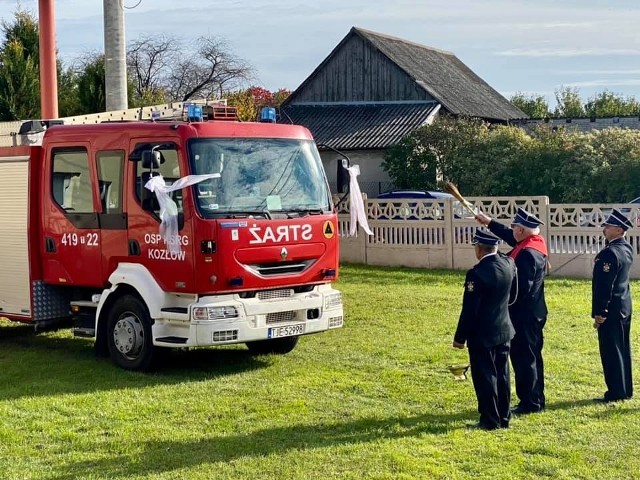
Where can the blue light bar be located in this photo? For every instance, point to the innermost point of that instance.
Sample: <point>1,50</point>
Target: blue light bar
<point>268,115</point>
<point>194,112</point>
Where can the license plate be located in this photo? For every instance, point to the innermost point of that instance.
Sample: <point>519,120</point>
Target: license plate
<point>286,331</point>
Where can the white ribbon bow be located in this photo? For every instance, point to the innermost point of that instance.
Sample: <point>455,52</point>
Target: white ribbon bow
<point>358,213</point>
<point>168,207</point>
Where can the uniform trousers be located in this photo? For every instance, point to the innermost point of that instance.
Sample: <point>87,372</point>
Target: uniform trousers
<point>528,366</point>
<point>615,353</point>
<point>490,375</point>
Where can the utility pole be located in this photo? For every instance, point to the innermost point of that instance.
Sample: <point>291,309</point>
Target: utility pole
<point>48,73</point>
<point>115,56</point>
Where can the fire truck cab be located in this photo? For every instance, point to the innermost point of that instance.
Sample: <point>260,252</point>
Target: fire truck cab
<point>170,234</point>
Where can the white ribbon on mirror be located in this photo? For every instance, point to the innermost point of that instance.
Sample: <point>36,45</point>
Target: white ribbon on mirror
<point>168,207</point>
<point>356,203</point>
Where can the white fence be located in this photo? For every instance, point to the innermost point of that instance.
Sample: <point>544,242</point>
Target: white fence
<point>437,233</point>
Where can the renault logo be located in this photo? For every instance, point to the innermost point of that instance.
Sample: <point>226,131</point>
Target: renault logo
<point>283,253</point>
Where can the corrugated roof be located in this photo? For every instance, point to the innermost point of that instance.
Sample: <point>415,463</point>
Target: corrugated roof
<point>357,126</point>
<point>444,77</point>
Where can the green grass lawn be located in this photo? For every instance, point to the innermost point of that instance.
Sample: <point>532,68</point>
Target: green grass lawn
<point>371,400</point>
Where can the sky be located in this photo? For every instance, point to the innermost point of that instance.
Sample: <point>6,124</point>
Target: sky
<point>530,46</point>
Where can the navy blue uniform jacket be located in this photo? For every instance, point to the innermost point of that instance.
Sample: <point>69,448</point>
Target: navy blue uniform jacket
<point>485,306</point>
<point>610,286</point>
<point>532,267</point>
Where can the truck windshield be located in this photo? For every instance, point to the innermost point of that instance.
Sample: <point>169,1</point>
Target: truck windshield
<point>259,177</point>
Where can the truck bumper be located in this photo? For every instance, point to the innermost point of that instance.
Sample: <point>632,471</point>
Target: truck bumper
<point>267,315</point>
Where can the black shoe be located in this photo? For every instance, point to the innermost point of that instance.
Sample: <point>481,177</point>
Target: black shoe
<point>486,426</point>
<point>521,410</point>
<point>608,399</point>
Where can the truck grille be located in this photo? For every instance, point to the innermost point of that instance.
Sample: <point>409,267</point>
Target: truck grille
<point>275,294</point>
<point>281,268</point>
<point>335,322</point>
<point>225,335</point>
<point>278,317</point>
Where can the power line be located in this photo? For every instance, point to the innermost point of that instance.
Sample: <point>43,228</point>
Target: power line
<point>131,8</point>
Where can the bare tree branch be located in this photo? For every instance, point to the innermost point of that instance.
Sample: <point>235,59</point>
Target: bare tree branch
<point>208,72</point>
<point>149,61</point>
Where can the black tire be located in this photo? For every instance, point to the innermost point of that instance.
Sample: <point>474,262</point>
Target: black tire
<point>278,346</point>
<point>129,334</point>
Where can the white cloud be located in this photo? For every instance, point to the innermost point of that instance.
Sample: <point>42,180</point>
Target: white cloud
<point>567,52</point>
<point>513,44</point>
<point>599,72</point>
<point>630,82</point>
<point>554,26</point>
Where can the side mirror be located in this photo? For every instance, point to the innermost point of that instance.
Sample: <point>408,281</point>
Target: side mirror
<point>342,176</point>
<point>152,159</point>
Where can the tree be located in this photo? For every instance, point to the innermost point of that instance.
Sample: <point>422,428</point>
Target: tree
<point>411,165</point>
<point>23,30</point>
<point>250,101</point>
<point>19,84</point>
<point>19,68</point>
<point>162,68</point>
<point>68,93</point>
<point>533,106</point>
<point>150,61</point>
<point>437,152</point>
<point>244,104</point>
<point>280,95</point>
<point>91,80</point>
<point>608,104</point>
<point>209,72</point>
<point>20,72</point>
<point>569,103</point>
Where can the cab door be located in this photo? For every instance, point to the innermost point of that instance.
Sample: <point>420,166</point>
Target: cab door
<point>173,270</point>
<point>71,249</point>
<point>113,220</point>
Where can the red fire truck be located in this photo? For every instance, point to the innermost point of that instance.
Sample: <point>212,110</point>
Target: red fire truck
<point>250,258</point>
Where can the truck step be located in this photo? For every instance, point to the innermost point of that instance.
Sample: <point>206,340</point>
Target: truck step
<point>183,310</point>
<point>84,332</point>
<point>174,340</point>
<point>179,314</point>
<point>83,313</point>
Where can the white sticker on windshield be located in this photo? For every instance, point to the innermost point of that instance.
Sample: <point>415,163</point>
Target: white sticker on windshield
<point>274,203</point>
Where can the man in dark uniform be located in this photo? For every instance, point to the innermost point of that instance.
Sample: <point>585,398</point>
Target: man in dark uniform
<point>529,311</point>
<point>485,327</point>
<point>611,307</point>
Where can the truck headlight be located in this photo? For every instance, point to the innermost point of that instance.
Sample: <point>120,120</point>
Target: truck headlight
<point>333,300</point>
<point>214,313</point>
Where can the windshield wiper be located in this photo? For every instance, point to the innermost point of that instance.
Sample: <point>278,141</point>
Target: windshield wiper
<point>248,213</point>
<point>303,212</point>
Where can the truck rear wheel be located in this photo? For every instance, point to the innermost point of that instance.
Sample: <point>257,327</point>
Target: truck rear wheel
<point>129,334</point>
<point>275,345</point>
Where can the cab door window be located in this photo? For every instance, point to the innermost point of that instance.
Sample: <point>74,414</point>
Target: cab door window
<point>110,168</point>
<point>71,187</point>
<point>170,170</point>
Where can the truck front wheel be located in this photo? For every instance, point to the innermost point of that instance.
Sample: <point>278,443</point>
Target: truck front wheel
<point>129,334</point>
<point>275,345</point>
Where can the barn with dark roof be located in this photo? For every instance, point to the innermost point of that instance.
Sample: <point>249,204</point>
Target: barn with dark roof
<point>373,89</point>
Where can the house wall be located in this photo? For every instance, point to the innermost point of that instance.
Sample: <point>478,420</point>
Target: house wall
<point>360,73</point>
<point>372,179</point>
